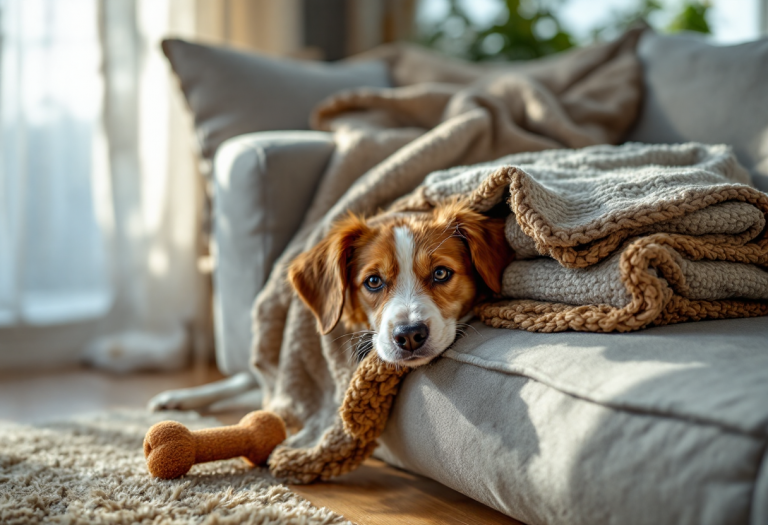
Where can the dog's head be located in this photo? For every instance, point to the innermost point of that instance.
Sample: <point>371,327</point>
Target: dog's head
<point>408,277</point>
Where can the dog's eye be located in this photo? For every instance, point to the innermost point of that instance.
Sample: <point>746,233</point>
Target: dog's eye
<point>374,283</point>
<point>441,274</point>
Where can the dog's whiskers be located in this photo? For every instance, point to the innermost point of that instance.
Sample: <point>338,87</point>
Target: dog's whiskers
<point>363,350</point>
<point>357,346</point>
<point>364,346</point>
<point>469,326</point>
<point>353,347</point>
<point>354,333</point>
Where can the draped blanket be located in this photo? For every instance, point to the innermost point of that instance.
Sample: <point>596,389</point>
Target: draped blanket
<point>620,238</point>
<point>442,114</point>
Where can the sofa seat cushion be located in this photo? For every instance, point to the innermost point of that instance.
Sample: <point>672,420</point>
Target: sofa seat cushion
<point>667,425</point>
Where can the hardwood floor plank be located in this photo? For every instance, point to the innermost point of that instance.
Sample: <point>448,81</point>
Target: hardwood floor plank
<point>30,396</point>
<point>378,494</point>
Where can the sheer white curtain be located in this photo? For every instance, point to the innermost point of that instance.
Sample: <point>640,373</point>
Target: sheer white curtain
<point>53,265</point>
<point>98,189</point>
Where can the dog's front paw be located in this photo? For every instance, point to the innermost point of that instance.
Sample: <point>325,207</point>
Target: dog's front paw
<point>169,400</point>
<point>182,399</point>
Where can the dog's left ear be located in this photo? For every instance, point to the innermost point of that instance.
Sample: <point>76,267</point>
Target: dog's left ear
<point>485,237</point>
<point>320,275</point>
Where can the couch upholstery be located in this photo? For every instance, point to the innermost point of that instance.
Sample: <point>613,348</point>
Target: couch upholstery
<point>263,183</point>
<point>667,425</point>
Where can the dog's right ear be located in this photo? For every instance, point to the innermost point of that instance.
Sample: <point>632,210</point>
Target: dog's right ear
<point>321,275</point>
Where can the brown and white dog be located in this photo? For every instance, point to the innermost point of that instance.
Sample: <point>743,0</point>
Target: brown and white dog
<point>403,282</point>
<point>407,280</point>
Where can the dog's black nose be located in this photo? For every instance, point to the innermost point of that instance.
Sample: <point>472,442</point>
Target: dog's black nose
<point>410,336</point>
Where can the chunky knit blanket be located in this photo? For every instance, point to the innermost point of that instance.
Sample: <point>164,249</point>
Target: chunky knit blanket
<point>443,113</point>
<point>620,238</point>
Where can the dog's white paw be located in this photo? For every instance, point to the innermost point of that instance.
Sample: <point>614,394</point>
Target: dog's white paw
<point>182,399</point>
<point>226,392</point>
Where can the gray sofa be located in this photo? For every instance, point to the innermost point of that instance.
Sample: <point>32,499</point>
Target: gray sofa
<point>666,425</point>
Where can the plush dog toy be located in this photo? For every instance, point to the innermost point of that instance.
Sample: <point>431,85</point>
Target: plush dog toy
<point>171,448</point>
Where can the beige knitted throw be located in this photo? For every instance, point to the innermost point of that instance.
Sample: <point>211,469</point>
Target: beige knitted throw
<point>443,113</point>
<point>351,439</point>
<point>620,238</point>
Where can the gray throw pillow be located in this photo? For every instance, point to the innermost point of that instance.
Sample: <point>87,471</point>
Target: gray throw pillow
<point>696,91</point>
<point>233,92</point>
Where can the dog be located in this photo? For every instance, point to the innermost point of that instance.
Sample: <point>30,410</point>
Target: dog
<point>402,283</point>
<point>407,281</point>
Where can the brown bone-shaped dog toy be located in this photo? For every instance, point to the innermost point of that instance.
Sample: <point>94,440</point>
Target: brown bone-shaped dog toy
<point>171,448</point>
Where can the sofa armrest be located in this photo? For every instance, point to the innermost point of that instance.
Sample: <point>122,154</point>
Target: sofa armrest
<point>263,184</point>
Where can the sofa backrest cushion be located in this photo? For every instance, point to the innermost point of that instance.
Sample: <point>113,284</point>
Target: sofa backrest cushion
<point>233,92</point>
<point>696,91</point>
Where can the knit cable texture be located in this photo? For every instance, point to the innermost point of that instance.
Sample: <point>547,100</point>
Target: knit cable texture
<point>653,300</point>
<point>352,438</point>
<point>621,238</point>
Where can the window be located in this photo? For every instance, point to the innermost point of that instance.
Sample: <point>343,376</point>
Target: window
<point>53,264</point>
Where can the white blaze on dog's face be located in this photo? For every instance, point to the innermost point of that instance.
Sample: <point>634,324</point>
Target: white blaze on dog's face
<point>408,277</point>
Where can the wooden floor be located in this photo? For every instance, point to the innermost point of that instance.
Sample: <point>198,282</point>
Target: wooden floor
<point>375,494</point>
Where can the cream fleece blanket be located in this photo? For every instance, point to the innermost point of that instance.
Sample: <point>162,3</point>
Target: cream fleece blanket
<point>445,113</point>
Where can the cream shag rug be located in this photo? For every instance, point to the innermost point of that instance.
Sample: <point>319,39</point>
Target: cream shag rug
<point>91,469</point>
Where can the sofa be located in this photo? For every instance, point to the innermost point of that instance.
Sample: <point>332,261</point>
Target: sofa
<point>664,425</point>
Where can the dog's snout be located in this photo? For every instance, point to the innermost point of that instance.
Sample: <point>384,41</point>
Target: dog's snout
<point>410,336</point>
